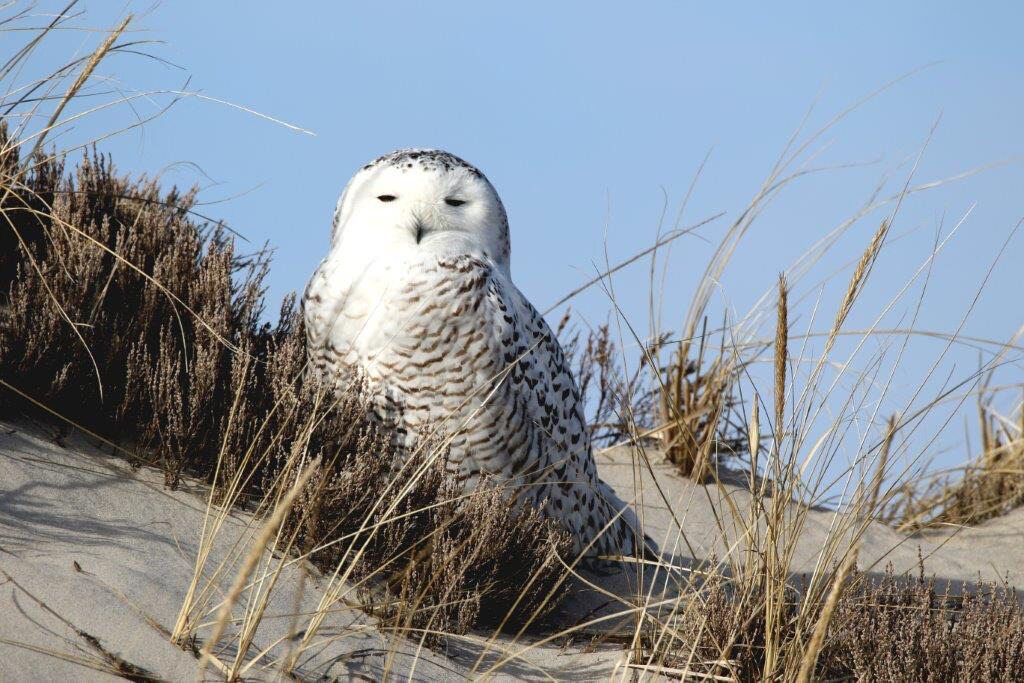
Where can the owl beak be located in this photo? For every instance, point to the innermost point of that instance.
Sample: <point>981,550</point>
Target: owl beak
<point>421,230</point>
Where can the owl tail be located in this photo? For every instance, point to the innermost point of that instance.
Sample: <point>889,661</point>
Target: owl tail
<point>622,533</point>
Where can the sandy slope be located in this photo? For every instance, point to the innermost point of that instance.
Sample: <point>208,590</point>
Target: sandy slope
<point>135,543</point>
<point>97,558</point>
<point>992,551</point>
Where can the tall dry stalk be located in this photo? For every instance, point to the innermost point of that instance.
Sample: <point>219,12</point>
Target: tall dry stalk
<point>856,284</point>
<point>94,60</point>
<point>781,358</point>
<point>259,547</point>
<point>782,490</point>
<point>867,510</point>
<point>810,658</point>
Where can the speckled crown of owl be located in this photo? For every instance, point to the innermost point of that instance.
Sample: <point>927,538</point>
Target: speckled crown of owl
<point>459,196</point>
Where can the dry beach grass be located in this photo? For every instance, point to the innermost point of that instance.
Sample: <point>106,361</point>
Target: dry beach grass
<point>126,315</point>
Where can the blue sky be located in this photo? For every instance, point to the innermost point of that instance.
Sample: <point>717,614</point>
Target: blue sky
<point>585,116</point>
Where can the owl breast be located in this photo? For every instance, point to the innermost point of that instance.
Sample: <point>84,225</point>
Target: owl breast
<point>450,347</point>
<point>439,351</point>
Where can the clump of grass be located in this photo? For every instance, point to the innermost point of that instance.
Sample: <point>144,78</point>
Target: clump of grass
<point>695,405</point>
<point>901,630</point>
<point>989,486</point>
<point>163,312</point>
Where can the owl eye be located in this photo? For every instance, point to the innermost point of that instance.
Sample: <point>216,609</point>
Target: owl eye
<point>451,201</point>
<point>387,197</point>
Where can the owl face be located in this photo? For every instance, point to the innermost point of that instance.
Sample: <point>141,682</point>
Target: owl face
<point>414,203</point>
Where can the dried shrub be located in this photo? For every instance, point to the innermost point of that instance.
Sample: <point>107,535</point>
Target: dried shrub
<point>132,364</point>
<point>888,628</point>
<point>729,637</point>
<point>428,558</point>
<point>896,629</point>
<point>168,357</point>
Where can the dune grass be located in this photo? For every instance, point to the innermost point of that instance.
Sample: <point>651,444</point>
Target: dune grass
<point>132,317</point>
<point>989,485</point>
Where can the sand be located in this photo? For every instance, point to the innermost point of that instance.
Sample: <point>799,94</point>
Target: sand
<point>96,558</point>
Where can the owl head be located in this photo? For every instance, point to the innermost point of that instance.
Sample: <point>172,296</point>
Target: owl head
<point>421,202</point>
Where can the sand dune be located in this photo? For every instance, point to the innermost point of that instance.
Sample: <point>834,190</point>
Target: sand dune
<point>96,558</point>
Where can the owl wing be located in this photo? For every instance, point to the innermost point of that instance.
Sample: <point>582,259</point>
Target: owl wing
<point>542,379</point>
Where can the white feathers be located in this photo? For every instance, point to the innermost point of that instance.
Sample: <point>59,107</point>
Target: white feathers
<point>416,294</point>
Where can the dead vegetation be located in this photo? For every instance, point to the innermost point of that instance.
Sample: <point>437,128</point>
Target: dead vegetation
<point>696,406</point>
<point>149,366</point>
<point>892,628</point>
<point>988,486</point>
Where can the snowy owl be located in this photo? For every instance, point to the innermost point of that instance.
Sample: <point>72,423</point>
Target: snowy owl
<point>416,296</point>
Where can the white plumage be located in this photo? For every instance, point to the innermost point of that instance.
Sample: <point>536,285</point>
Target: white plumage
<point>416,296</point>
